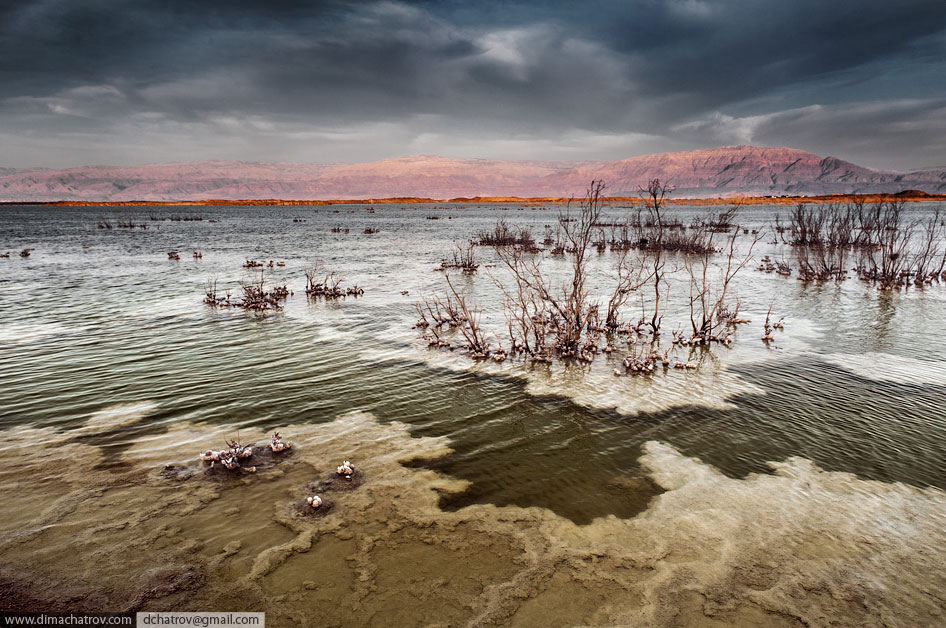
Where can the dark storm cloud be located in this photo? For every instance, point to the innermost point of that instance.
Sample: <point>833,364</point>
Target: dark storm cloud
<point>900,126</point>
<point>88,79</point>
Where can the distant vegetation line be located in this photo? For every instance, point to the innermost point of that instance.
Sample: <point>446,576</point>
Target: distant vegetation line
<point>906,195</point>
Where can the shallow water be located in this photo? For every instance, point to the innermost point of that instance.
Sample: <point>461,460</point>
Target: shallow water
<point>112,367</point>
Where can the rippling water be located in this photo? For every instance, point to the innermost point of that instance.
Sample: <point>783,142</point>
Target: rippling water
<point>100,328</point>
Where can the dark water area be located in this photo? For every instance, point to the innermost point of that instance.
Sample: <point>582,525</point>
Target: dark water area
<point>856,383</point>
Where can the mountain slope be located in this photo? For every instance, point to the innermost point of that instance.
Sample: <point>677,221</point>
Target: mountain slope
<point>735,169</point>
<point>726,171</point>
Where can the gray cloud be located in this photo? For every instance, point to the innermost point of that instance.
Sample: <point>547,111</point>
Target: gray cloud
<point>152,80</point>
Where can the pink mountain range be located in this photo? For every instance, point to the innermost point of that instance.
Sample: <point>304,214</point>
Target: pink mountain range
<point>718,172</point>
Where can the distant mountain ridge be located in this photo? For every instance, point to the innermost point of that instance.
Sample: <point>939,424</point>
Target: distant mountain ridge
<point>717,172</point>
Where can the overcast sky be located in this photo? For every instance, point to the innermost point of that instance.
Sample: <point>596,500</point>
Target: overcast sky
<point>140,81</point>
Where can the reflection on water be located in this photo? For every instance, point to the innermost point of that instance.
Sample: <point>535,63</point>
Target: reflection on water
<point>108,353</point>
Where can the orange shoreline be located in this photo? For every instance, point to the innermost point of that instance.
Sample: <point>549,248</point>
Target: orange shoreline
<point>909,196</point>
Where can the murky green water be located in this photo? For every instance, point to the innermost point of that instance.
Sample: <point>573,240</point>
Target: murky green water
<point>856,382</point>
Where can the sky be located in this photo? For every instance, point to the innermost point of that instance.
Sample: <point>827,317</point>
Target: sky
<point>143,81</point>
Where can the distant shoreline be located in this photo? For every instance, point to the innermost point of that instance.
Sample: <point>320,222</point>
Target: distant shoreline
<point>908,196</point>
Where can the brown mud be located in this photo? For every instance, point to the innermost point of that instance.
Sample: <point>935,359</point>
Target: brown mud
<point>797,547</point>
